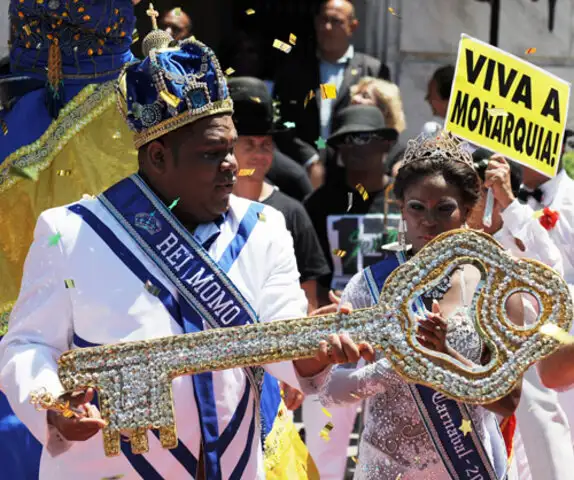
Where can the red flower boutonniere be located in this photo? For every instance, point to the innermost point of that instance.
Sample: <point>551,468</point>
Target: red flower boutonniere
<point>549,218</point>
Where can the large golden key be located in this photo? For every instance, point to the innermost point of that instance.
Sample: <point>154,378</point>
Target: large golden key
<point>134,379</point>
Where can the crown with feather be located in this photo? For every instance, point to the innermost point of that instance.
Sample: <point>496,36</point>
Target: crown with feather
<point>176,84</point>
<point>442,145</point>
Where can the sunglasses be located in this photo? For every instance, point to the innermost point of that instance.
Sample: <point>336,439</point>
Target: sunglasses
<point>360,139</point>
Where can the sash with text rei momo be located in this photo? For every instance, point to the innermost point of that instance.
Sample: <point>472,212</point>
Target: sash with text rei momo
<point>463,454</point>
<point>205,294</point>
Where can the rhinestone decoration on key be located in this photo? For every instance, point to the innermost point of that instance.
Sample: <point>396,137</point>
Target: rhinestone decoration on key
<point>134,379</point>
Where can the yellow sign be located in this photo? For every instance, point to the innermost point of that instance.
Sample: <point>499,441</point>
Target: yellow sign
<point>533,102</point>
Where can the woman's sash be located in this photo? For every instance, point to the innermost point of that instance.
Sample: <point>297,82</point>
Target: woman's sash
<point>205,294</point>
<point>462,454</point>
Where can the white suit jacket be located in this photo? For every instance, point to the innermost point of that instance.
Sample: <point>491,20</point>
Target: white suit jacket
<point>109,304</point>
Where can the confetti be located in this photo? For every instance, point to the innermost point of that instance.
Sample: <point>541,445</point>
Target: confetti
<point>328,91</point>
<point>174,204</point>
<point>117,135</point>
<point>349,201</point>
<point>497,112</point>
<point>538,214</point>
<point>289,124</point>
<point>557,333</point>
<point>69,283</point>
<point>325,431</point>
<point>355,459</point>
<point>25,172</point>
<point>152,289</point>
<point>362,191</point>
<point>292,39</point>
<point>177,11</point>
<point>4,126</point>
<point>246,172</point>
<point>255,99</point>
<point>466,427</point>
<point>229,71</point>
<point>135,36</point>
<point>64,173</point>
<point>354,72</point>
<point>399,476</point>
<point>530,50</point>
<point>354,395</point>
<point>326,412</point>
<point>394,12</point>
<point>54,239</point>
<point>250,11</point>
<point>261,217</point>
<point>284,47</point>
<point>339,253</point>
<point>320,143</point>
<point>308,98</point>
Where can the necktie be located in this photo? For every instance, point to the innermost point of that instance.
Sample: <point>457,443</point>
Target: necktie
<point>524,195</point>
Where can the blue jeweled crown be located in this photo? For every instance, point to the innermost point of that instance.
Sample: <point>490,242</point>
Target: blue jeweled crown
<point>176,84</point>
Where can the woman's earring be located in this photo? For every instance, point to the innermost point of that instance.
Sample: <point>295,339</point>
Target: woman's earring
<point>402,235</point>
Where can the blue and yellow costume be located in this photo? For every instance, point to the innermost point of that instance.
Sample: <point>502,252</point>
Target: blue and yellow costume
<point>58,122</point>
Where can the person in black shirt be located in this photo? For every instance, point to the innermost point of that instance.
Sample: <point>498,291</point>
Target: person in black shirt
<point>290,177</point>
<point>351,226</point>
<point>253,117</point>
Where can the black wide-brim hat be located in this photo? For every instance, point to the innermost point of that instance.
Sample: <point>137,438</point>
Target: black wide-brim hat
<point>252,107</point>
<point>360,119</point>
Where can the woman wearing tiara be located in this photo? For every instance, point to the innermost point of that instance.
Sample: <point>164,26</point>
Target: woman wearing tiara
<point>437,187</point>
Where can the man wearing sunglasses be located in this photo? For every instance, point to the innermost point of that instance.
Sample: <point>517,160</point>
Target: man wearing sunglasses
<point>353,219</point>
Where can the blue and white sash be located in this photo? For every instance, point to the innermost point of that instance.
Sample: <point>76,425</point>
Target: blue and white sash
<point>205,294</point>
<point>463,456</point>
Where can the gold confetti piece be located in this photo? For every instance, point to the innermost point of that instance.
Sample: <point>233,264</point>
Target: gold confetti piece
<point>326,412</point>
<point>250,11</point>
<point>27,29</point>
<point>229,71</point>
<point>64,173</point>
<point>354,395</point>
<point>152,289</point>
<point>310,96</point>
<point>394,12</point>
<point>324,433</point>
<point>135,36</point>
<point>262,217</point>
<point>279,45</point>
<point>4,126</point>
<point>537,214</point>
<point>530,50</point>
<point>246,172</point>
<point>339,253</point>
<point>255,99</point>
<point>354,72</point>
<point>169,98</point>
<point>328,91</point>
<point>557,333</point>
<point>399,476</point>
<point>174,203</point>
<point>26,172</point>
<point>362,191</point>
<point>292,39</point>
<point>466,427</point>
<point>69,283</point>
<point>54,239</point>
<point>497,112</point>
<point>355,459</point>
<point>177,11</point>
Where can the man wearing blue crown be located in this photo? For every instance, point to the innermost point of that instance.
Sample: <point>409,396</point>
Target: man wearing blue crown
<point>164,252</point>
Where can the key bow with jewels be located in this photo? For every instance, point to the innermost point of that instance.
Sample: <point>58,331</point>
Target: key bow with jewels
<point>133,379</point>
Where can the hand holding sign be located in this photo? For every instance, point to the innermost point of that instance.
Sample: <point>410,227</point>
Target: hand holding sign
<point>497,177</point>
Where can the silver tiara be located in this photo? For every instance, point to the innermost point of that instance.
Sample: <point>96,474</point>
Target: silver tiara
<point>442,145</point>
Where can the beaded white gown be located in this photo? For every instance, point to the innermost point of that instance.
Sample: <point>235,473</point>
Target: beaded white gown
<point>395,443</point>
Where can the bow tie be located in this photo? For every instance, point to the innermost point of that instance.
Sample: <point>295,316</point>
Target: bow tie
<point>524,195</point>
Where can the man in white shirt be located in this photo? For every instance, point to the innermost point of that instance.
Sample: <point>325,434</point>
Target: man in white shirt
<point>544,432</point>
<point>164,252</point>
